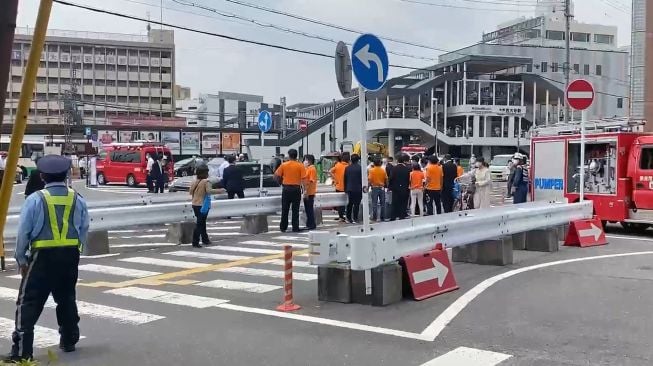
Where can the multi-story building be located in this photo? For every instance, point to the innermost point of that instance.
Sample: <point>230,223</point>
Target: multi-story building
<point>181,92</point>
<point>115,75</point>
<point>641,61</point>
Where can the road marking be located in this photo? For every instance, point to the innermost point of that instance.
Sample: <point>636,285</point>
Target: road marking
<point>281,262</point>
<point>223,228</point>
<point>290,238</point>
<point>268,273</point>
<point>258,288</point>
<point>99,256</point>
<point>146,236</point>
<point>468,357</point>
<point>623,237</point>
<point>116,271</point>
<point>264,243</point>
<point>227,234</point>
<point>43,337</point>
<point>244,250</point>
<point>136,231</point>
<point>437,326</point>
<point>119,315</point>
<point>143,245</point>
<point>167,277</point>
<point>173,298</point>
<point>205,255</point>
<point>164,262</point>
<point>324,321</point>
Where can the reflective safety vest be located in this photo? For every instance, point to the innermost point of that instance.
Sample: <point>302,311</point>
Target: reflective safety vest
<point>59,213</point>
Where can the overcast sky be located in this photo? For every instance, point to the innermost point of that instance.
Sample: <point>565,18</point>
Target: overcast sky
<point>209,64</point>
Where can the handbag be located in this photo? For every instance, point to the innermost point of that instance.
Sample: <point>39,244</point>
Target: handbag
<point>206,205</point>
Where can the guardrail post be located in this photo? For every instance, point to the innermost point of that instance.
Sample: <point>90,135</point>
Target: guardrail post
<point>254,224</point>
<point>496,252</point>
<point>180,232</point>
<point>97,243</point>
<point>542,240</point>
<point>387,286</point>
<point>519,241</point>
<point>334,283</point>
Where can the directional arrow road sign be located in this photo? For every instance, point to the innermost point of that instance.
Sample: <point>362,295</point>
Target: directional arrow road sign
<point>594,231</point>
<point>439,272</point>
<point>264,121</point>
<point>370,62</point>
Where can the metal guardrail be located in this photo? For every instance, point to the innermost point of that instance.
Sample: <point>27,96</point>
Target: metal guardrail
<point>108,218</point>
<point>388,242</point>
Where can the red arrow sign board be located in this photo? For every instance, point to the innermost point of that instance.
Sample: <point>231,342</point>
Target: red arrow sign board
<point>586,233</point>
<point>580,94</point>
<point>428,274</point>
<point>303,125</point>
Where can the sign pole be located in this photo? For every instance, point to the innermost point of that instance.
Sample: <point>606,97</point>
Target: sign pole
<point>583,120</point>
<point>260,191</point>
<point>365,202</point>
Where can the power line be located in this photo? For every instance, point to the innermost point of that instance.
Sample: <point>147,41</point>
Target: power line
<point>219,35</point>
<point>440,5</point>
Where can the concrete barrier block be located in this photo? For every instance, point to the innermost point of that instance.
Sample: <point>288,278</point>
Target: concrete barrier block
<point>386,286</point>
<point>180,232</point>
<point>519,241</point>
<point>542,240</point>
<point>97,243</point>
<point>254,224</point>
<point>319,219</point>
<point>562,232</point>
<point>495,252</point>
<point>462,253</point>
<point>334,283</point>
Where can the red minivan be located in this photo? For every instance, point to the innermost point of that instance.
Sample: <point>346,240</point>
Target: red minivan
<point>128,162</point>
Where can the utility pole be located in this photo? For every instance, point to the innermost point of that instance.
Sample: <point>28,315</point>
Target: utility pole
<point>71,116</point>
<point>284,125</point>
<point>332,128</point>
<point>567,65</point>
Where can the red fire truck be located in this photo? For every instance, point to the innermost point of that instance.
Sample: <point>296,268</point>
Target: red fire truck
<point>618,169</point>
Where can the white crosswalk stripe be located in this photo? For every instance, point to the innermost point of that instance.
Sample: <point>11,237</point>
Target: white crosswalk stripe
<point>116,271</point>
<point>468,357</point>
<point>264,243</point>
<point>268,273</point>
<point>245,250</point>
<point>145,236</point>
<point>164,262</point>
<point>234,234</point>
<point>167,297</point>
<point>43,337</point>
<point>212,228</point>
<point>281,262</point>
<point>94,310</point>
<point>290,238</point>
<point>205,255</point>
<point>258,288</point>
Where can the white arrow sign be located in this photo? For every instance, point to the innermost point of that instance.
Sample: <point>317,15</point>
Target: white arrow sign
<point>594,231</point>
<point>365,56</point>
<point>439,272</point>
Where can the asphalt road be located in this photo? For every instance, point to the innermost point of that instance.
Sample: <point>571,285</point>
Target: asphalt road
<point>155,303</point>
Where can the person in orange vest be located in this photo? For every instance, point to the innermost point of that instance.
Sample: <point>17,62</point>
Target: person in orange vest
<point>417,190</point>
<point>338,174</point>
<point>291,174</point>
<point>310,184</point>
<point>434,178</point>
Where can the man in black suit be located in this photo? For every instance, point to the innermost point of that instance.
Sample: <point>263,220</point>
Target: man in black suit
<point>450,173</point>
<point>232,179</point>
<point>354,188</point>
<point>400,187</point>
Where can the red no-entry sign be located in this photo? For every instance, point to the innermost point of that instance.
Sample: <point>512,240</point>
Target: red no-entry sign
<point>580,94</point>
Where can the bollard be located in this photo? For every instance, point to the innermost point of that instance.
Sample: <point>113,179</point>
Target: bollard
<point>287,304</point>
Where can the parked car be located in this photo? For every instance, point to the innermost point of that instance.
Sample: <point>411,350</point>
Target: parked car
<point>499,168</point>
<point>186,167</point>
<point>251,175</point>
<point>127,163</point>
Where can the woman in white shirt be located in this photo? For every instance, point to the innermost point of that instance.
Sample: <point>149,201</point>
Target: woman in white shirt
<point>483,183</point>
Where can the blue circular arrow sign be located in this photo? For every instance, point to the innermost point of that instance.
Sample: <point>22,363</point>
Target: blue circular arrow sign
<point>264,121</point>
<point>370,62</point>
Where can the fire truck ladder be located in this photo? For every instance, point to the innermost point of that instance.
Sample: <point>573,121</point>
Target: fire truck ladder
<point>620,124</point>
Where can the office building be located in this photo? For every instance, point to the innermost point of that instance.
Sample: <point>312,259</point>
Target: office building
<point>641,61</point>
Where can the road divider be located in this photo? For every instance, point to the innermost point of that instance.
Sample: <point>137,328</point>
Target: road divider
<point>288,302</point>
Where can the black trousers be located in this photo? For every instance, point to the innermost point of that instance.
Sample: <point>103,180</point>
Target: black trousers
<point>353,205</point>
<point>341,209</point>
<point>400,200</point>
<point>51,271</point>
<point>291,197</point>
<point>447,199</point>
<point>160,184</point>
<point>310,212</point>
<point>434,199</point>
<point>232,194</point>
<point>149,181</point>
<point>200,227</point>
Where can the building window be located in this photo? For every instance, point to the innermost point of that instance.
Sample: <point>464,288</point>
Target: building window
<point>529,68</point>
<point>344,129</point>
<point>599,71</point>
<point>586,69</point>
<point>554,67</point>
<point>604,38</point>
<point>577,68</point>
<point>323,141</point>
<point>544,67</point>
<point>620,103</point>
<point>580,37</point>
<point>555,35</point>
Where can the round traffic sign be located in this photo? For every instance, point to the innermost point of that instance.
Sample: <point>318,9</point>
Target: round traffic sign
<point>370,62</point>
<point>264,121</point>
<point>303,125</point>
<point>580,94</point>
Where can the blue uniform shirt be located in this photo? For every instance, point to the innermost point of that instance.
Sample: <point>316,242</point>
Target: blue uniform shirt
<point>32,219</point>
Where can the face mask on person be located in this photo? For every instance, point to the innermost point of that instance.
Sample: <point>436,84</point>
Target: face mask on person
<point>515,161</point>
<point>478,165</point>
<point>306,163</point>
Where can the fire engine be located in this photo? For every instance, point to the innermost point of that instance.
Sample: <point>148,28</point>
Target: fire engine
<point>618,169</point>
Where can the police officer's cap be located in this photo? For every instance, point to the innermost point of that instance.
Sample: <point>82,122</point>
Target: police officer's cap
<point>53,164</point>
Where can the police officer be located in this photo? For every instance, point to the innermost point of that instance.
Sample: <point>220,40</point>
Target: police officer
<point>53,227</point>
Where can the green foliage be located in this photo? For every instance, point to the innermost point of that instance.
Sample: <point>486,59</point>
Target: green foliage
<point>53,358</point>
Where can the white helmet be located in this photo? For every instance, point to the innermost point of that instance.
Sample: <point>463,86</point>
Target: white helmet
<point>519,156</point>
